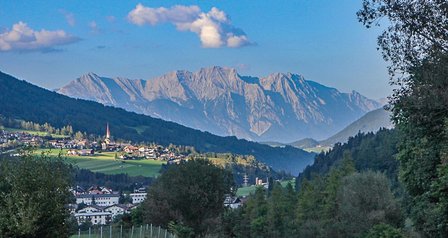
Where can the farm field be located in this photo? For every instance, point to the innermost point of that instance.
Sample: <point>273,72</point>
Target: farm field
<point>106,163</point>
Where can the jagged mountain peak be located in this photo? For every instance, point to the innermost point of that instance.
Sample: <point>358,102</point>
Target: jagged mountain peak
<point>278,107</point>
<point>90,75</point>
<point>282,79</point>
<point>217,73</point>
<point>217,69</point>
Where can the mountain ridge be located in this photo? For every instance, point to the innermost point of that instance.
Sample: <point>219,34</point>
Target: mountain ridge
<point>278,107</point>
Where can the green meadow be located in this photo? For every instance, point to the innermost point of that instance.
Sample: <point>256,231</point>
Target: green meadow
<point>106,163</point>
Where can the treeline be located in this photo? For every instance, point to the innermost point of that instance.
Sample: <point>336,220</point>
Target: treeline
<point>240,166</point>
<point>33,126</point>
<point>244,165</point>
<point>344,203</point>
<point>118,182</point>
<point>371,151</point>
<point>66,130</point>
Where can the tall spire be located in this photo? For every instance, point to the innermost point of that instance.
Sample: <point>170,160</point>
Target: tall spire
<point>107,131</point>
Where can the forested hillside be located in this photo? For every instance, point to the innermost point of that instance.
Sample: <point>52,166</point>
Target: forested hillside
<point>22,100</point>
<point>368,151</point>
<point>370,122</point>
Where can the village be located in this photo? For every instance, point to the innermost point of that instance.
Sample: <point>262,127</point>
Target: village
<point>12,139</point>
<point>100,205</point>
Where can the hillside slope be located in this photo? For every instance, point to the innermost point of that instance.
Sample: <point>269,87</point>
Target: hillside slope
<point>371,122</point>
<point>280,107</point>
<point>22,100</point>
<point>370,151</point>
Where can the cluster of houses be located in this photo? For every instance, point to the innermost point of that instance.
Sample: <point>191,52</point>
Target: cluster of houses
<point>10,139</point>
<point>100,205</point>
<point>155,152</point>
<point>132,152</point>
<point>83,147</point>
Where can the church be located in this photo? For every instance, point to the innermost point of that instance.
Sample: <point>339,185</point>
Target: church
<point>107,144</point>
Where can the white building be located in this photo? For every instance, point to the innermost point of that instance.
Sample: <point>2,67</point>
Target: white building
<point>100,199</point>
<point>232,202</point>
<point>97,218</point>
<point>91,209</point>
<point>102,214</point>
<point>137,197</point>
<point>117,209</point>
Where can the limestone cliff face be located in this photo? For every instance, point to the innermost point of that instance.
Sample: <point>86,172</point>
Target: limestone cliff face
<point>279,107</point>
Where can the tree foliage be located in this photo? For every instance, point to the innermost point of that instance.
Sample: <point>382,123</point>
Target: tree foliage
<point>384,231</point>
<point>34,191</point>
<point>416,30</point>
<point>191,195</point>
<point>371,151</point>
<point>267,214</point>
<point>340,204</point>
<point>119,182</point>
<point>416,44</point>
<point>365,200</point>
<point>317,204</point>
<point>422,114</point>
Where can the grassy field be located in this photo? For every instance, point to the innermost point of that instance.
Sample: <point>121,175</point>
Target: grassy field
<point>246,191</point>
<point>106,163</point>
<point>38,133</point>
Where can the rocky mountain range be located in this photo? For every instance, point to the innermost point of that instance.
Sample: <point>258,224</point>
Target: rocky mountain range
<point>280,107</point>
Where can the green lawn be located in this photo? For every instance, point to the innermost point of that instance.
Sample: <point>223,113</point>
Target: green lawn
<point>106,163</point>
<point>246,191</point>
<point>38,133</point>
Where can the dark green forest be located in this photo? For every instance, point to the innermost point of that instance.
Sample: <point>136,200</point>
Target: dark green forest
<point>371,151</point>
<point>348,192</point>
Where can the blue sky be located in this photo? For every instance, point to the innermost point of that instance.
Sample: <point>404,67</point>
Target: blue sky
<point>321,40</point>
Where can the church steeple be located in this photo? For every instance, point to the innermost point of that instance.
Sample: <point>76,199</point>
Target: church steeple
<point>107,139</point>
<point>107,131</point>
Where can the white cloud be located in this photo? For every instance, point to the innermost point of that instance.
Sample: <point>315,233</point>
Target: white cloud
<point>213,28</point>
<point>23,38</point>
<point>69,17</point>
